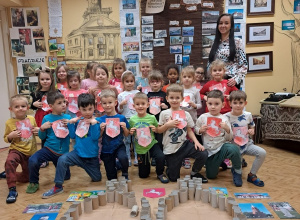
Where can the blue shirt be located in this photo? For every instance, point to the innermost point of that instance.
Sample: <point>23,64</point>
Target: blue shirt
<point>140,81</point>
<point>109,144</point>
<point>55,144</point>
<point>87,146</point>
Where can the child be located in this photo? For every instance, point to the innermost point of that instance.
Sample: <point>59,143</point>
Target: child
<point>118,68</point>
<point>146,150</point>
<point>21,148</point>
<point>240,118</point>
<point>176,145</point>
<point>215,137</point>
<point>82,156</point>
<point>199,82</point>
<point>126,108</point>
<point>54,146</point>
<point>61,77</point>
<point>172,71</point>
<point>89,81</point>
<point>145,68</point>
<point>113,148</point>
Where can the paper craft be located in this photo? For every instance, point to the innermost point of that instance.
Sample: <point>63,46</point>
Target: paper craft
<point>197,86</point>
<point>252,195</point>
<point>216,87</point>
<point>284,210</point>
<point>220,190</point>
<point>62,87</point>
<point>81,195</point>
<point>99,105</point>
<point>146,89</point>
<point>25,127</point>
<point>240,135</point>
<point>154,192</point>
<point>112,127</point>
<point>73,105</point>
<point>43,208</point>
<point>144,136</point>
<point>214,128</point>
<point>45,106</point>
<point>185,102</point>
<point>255,210</point>
<point>129,99</point>
<point>180,116</point>
<point>119,87</point>
<point>154,107</point>
<point>82,128</point>
<point>44,216</point>
<point>59,129</point>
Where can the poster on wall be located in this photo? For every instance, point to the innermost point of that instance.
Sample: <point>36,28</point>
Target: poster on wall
<point>155,6</point>
<point>55,18</point>
<point>27,66</point>
<point>25,17</point>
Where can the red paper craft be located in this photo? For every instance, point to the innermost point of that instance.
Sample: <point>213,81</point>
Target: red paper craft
<point>154,192</point>
<point>129,99</point>
<point>59,129</point>
<point>119,87</point>
<point>197,86</point>
<point>45,106</point>
<point>144,136</point>
<point>214,128</point>
<point>99,105</point>
<point>217,87</point>
<point>73,105</point>
<point>240,135</point>
<point>61,87</point>
<point>146,89</point>
<point>180,116</point>
<point>112,127</point>
<point>25,127</point>
<point>82,128</point>
<point>185,102</point>
<point>154,106</point>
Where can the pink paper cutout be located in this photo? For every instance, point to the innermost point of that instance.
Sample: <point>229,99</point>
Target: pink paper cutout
<point>154,192</point>
<point>129,100</point>
<point>185,102</point>
<point>214,128</point>
<point>99,105</point>
<point>218,86</point>
<point>154,106</point>
<point>25,127</point>
<point>82,128</point>
<point>146,89</point>
<point>73,105</point>
<point>144,136</point>
<point>45,106</point>
<point>240,135</point>
<point>197,86</point>
<point>61,87</point>
<point>59,129</point>
<point>112,127</point>
<point>180,115</point>
<point>119,86</point>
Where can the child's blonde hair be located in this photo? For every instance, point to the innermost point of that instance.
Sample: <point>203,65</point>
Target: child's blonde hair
<point>215,64</point>
<point>57,68</point>
<point>155,75</point>
<point>107,93</point>
<point>188,70</point>
<point>140,95</point>
<point>17,97</point>
<point>175,88</point>
<point>118,61</point>
<point>146,60</point>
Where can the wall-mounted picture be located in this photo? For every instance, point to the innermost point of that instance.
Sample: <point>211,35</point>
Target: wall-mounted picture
<point>17,17</point>
<point>237,13</point>
<point>235,2</point>
<point>23,85</point>
<point>178,59</point>
<point>160,33</point>
<point>260,33</point>
<point>288,25</point>
<point>52,62</point>
<point>176,49</point>
<point>147,54</point>
<point>147,19</point>
<point>187,31</point>
<point>237,27</point>
<point>32,86</point>
<point>260,62</point>
<point>25,36</point>
<point>187,49</point>
<point>210,16</point>
<point>132,58</point>
<point>40,45</point>
<point>205,52</point>
<point>208,29</point>
<point>147,45</point>
<point>208,40</point>
<point>130,32</point>
<point>32,17</point>
<point>129,19</point>
<point>185,60</point>
<point>147,37</point>
<point>52,45</point>
<point>260,7</point>
<point>173,31</point>
<point>61,63</point>
<point>17,49</point>
<point>147,28</point>
<point>29,68</point>
<point>131,46</point>
<point>296,6</point>
<point>187,40</point>
<point>38,33</point>
<point>129,4</point>
<point>61,52</point>
<point>159,42</point>
<point>175,40</point>
<point>133,68</point>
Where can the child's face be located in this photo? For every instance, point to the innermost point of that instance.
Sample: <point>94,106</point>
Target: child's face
<point>217,73</point>
<point>238,106</point>
<point>62,74</point>
<point>155,85</point>
<point>74,83</point>
<point>19,107</point>
<point>59,106</point>
<point>88,111</point>
<point>172,75</point>
<point>145,69</point>
<point>118,70</point>
<point>174,99</point>
<point>129,83</point>
<point>101,76</point>
<point>109,104</point>
<point>141,106</point>
<point>214,106</point>
<point>187,79</point>
<point>45,80</point>
<point>199,74</point>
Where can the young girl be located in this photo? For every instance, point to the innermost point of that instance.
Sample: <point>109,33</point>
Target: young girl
<point>125,100</point>
<point>145,68</point>
<point>172,71</point>
<point>118,68</point>
<point>89,79</point>
<point>199,82</point>
<point>61,77</point>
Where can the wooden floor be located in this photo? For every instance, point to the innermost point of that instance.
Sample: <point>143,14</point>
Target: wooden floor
<point>280,172</point>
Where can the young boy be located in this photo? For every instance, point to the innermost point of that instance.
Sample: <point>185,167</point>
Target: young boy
<point>176,145</point>
<point>215,136</point>
<point>82,156</point>
<point>54,146</point>
<point>239,118</point>
<point>146,150</point>
<point>113,147</point>
<point>21,148</point>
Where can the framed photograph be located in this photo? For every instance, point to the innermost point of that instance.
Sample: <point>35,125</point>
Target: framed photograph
<point>208,29</point>
<point>260,62</point>
<point>17,49</point>
<point>61,52</point>
<point>205,52</point>
<point>131,46</point>
<point>147,37</point>
<point>235,2</point>
<point>52,43</point>
<point>259,7</point>
<point>129,4</point>
<point>239,14</point>
<point>159,42</point>
<point>259,33</point>
<point>210,16</point>
<point>147,45</point>
<point>147,54</point>
<point>208,40</point>
<point>186,60</point>
<point>296,6</point>
<point>132,58</point>
<point>160,33</point>
<point>17,17</point>
<point>38,33</point>
<point>187,40</point>
<point>147,28</point>
<point>187,49</point>
<point>40,45</point>
<point>173,31</point>
<point>288,25</point>
<point>175,40</point>
<point>32,17</point>
<point>188,31</point>
<point>178,59</point>
<point>176,49</point>
<point>147,19</point>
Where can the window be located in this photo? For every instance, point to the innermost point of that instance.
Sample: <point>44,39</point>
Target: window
<point>100,40</point>
<point>101,52</point>
<point>90,41</point>
<point>76,41</point>
<point>91,52</point>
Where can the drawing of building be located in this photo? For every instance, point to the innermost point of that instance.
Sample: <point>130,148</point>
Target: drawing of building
<point>98,38</point>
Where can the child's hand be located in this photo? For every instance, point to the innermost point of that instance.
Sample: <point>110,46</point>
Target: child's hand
<point>123,103</point>
<point>65,122</point>
<point>123,125</point>
<point>225,127</point>
<point>38,104</point>
<point>231,82</point>
<point>73,120</point>
<point>132,130</point>
<point>163,106</point>
<point>14,134</point>
<point>35,130</point>
<point>203,129</point>
<point>46,125</point>
<point>139,87</point>
<point>192,104</point>
<point>172,123</point>
<point>199,146</point>
<point>102,126</point>
<point>153,128</point>
<point>251,131</point>
<point>92,121</point>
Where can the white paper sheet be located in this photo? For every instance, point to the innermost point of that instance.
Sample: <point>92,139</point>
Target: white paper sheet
<point>55,26</point>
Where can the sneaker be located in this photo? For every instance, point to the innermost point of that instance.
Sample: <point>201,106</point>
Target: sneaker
<point>135,163</point>
<point>187,163</point>
<point>237,178</point>
<point>44,164</point>
<point>163,178</point>
<point>153,162</point>
<point>12,195</point>
<point>129,163</point>
<point>228,163</point>
<point>52,192</point>
<point>244,163</point>
<point>3,175</point>
<point>199,175</point>
<point>32,188</point>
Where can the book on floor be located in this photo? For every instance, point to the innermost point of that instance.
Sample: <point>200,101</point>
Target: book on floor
<point>80,195</point>
<point>44,216</point>
<point>220,190</point>
<point>43,208</point>
<point>255,210</point>
<point>284,210</point>
<point>252,195</point>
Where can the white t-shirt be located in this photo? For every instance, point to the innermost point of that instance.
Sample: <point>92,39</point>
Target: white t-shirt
<point>194,95</point>
<point>127,110</point>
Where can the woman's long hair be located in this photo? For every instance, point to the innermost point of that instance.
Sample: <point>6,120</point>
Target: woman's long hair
<point>217,40</point>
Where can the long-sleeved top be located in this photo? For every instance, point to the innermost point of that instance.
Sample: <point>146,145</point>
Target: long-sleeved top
<point>88,83</point>
<point>38,95</point>
<point>127,109</point>
<point>162,96</point>
<point>194,96</point>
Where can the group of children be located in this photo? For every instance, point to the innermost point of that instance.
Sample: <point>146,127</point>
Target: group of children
<point>106,117</point>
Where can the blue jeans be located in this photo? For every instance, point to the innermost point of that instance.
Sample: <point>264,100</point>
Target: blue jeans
<point>128,141</point>
<point>90,165</point>
<point>39,157</point>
